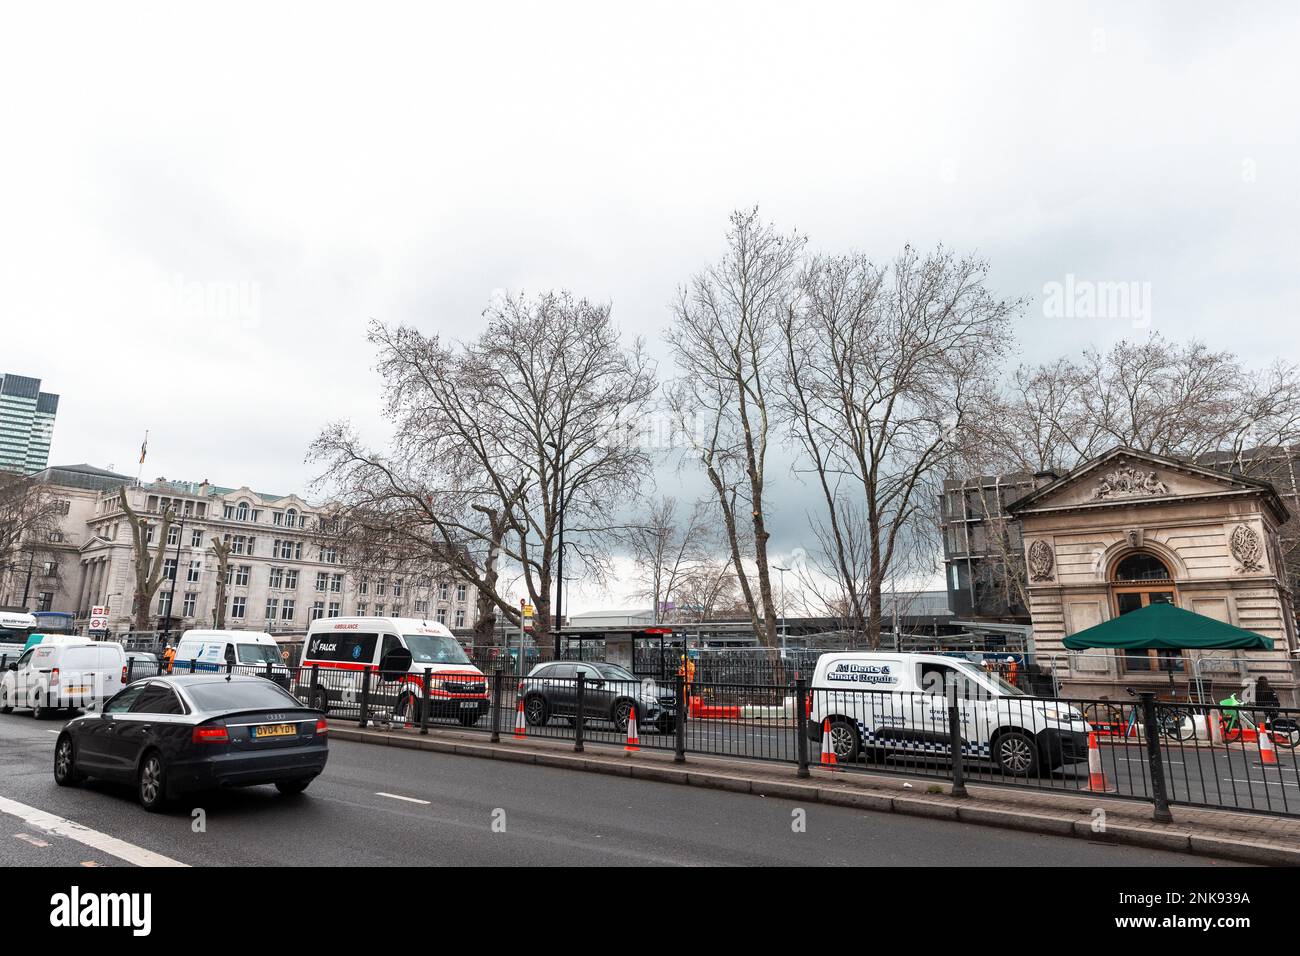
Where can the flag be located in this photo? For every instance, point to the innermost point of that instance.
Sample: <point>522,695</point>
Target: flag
<point>144,447</point>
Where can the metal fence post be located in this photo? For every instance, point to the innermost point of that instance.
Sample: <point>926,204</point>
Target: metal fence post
<point>424,700</point>
<point>268,670</point>
<point>496,704</point>
<point>365,698</point>
<point>315,682</point>
<point>193,662</point>
<point>1151,730</point>
<point>955,745</point>
<point>801,725</point>
<point>679,725</point>
<point>579,721</point>
<point>230,667</point>
<point>130,668</point>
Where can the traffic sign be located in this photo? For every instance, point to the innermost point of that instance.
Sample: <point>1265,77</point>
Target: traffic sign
<point>98,618</point>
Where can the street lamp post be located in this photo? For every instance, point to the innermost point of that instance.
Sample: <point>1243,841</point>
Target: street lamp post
<point>171,594</point>
<point>782,573</point>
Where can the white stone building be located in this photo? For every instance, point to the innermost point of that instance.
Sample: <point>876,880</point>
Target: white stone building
<point>282,572</point>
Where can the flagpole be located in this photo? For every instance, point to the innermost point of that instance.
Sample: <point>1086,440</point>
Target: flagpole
<point>144,447</point>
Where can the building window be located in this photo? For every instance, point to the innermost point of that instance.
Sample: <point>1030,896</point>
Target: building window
<point>1139,580</point>
<point>317,610</point>
<point>291,518</point>
<point>195,571</point>
<point>196,538</point>
<point>322,580</point>
<point>329,555</point>
<point>379,610</point>
<point>165,604</point>
<point>238,605</point>
<point>397,610</point>
<point>173,536</point>
<point>286,610</point>
<point>442,615</point>
<point>272,608</point>
<point>460,617</point>
<point>169,569</point>
<point>442,591</point>
<point>397,588</point>
<point>45,600</point>
<point>334,609</point>
<point>460,594</point>
<point>291,579</point>
<point>364,587</point>
<point>187,606</point>
<point>362,607</point>
<point>381,587</point>
<point>421,607</point>
<point>241,513</point>
<point>336,583</point>
<point>275,578</point>
<point>241,575</point>
<point>49,568</point>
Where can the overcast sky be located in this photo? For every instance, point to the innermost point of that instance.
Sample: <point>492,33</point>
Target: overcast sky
<point>200,209</point>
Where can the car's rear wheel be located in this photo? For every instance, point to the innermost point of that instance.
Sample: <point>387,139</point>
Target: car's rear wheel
<point>621,715</point>
<point>1016,754</point>
<point>293,787</point>
<point>536,711</point>
<point>152,782</point>
<point>5,706</point>
<point>65,763</point>
<point>39,709</point>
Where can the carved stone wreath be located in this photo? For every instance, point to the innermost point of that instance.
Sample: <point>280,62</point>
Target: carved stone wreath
<point>1041,560</point>
<point>1246,547</point>
<point>1129,482</point>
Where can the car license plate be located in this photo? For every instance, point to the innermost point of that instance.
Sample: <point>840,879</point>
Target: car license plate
<point>76,690</point>
<point>275,730</point>
<point>467,704</point>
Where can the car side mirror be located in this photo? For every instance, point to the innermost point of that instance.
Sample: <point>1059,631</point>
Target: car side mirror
<point>13,666</point>
<point>396,663</point>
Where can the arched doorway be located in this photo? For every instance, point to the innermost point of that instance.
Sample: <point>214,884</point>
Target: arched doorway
<point>1137,580</point>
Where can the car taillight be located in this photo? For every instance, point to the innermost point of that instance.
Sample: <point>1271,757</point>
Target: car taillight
<point>54,675</point>
<point>211,735</point>
<point>322,728</point>
<point>123,675</point>
<point>808,705</point>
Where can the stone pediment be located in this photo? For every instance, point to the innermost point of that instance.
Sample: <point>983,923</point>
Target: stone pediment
<point>1123,476</point>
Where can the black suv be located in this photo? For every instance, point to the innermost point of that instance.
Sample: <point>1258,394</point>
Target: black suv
<point>609,694</point>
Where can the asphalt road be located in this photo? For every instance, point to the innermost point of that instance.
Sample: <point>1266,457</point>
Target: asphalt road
<point>378,805</point>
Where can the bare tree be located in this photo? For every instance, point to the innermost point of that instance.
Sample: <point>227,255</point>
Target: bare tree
<point>726,340</point>
<point>884,368</point>
<point>29,513</point>
<point>495,438</point>
<point>148,567</point>
<point>221,548</point>
<point>708,591</point>
<point>665,547</point>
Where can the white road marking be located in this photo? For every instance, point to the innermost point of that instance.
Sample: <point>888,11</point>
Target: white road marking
<point>28,838</point>
<point>111,845</point>
<point>1268,782</point>
<point>54,731</point>
<point>396,796</point>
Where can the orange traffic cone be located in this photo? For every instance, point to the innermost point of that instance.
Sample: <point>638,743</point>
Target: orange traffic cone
<point>1267,753</point>
<point>521,725</point>
<point>1096,776</point>
<point>633,741</point>
<point>828,750</point>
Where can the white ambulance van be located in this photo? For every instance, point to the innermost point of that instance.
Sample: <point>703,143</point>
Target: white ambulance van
<point>63,672</point>
<point>242,652</point>
<point>340,649</point>
<point>881,704</point>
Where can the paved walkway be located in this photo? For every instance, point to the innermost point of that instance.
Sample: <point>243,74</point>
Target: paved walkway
<point>1246,837</point>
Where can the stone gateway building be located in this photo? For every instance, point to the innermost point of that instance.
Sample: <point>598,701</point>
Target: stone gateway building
<point>1129,529</point>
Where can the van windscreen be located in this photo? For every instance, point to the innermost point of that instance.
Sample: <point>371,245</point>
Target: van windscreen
<point>258,654</point>
<point>434,649</point>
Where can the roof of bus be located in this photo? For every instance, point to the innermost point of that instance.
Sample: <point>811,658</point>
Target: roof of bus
<point>403,625</point>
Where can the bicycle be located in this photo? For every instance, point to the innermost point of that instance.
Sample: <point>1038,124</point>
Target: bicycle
<point>1111,720</point>
<point>1237,726</point>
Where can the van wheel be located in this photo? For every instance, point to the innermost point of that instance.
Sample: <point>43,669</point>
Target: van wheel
<point>1016,754</point>
<point>845,741</point>
<point>320,700</point>
<point>5,706</point>
<point>38,709</point>
<point>536,710</point>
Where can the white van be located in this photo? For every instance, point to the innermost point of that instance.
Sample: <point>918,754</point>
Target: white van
<point>880,703</point>
<point>63,672</point>
<point>340,649</point>
<point>241,652</point>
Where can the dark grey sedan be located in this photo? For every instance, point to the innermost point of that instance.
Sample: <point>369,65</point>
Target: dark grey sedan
<point>169,735</point>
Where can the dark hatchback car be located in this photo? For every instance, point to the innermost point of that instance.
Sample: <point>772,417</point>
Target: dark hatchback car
<point>169,735</point>
<point>609,693</point>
